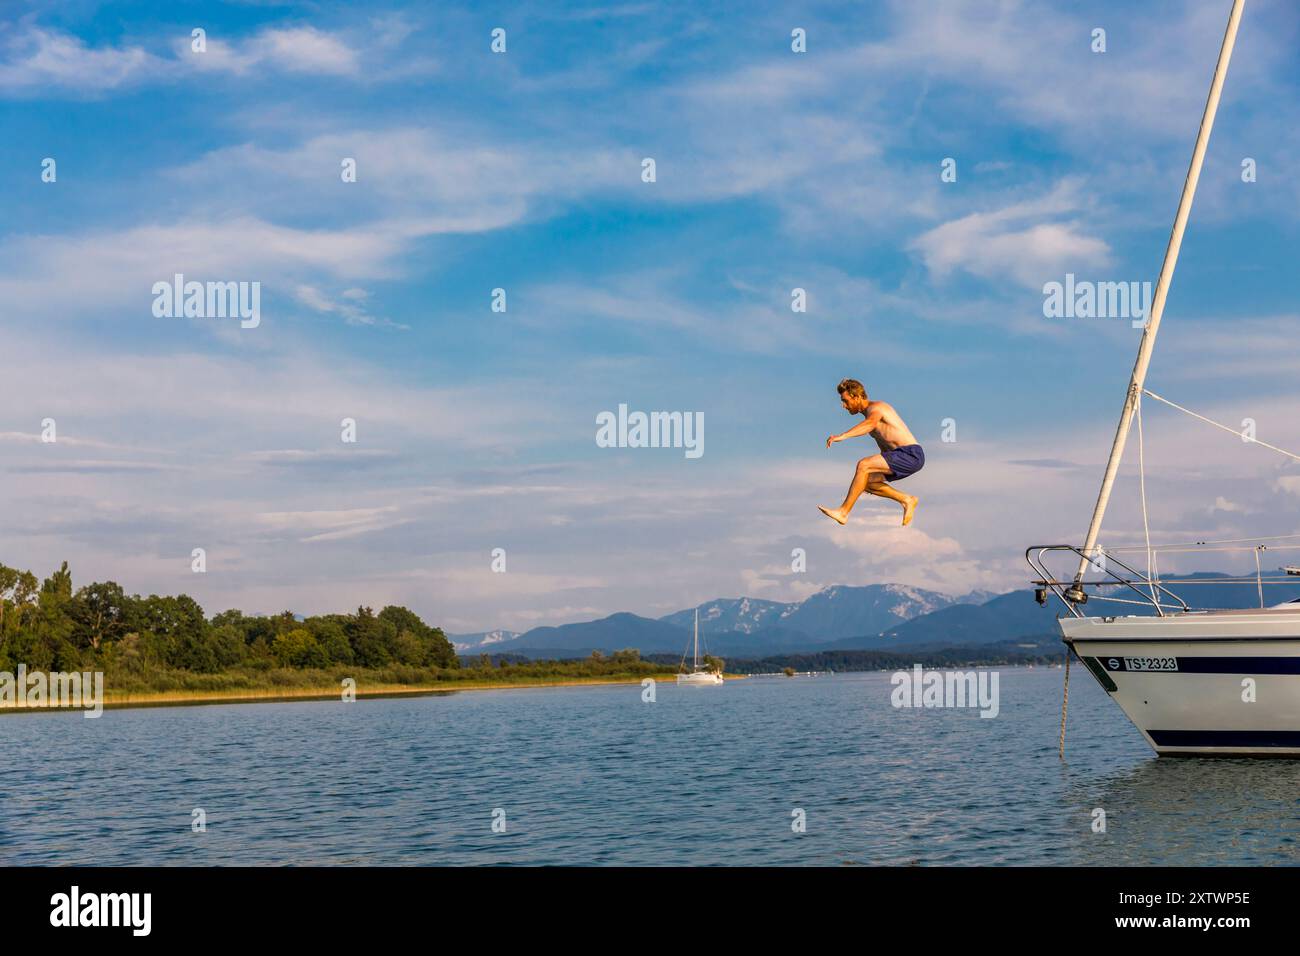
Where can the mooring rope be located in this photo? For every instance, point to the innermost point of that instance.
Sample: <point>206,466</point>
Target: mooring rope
<point>1065,703</point>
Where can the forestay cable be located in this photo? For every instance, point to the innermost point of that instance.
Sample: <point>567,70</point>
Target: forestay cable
<point>1210,421</point>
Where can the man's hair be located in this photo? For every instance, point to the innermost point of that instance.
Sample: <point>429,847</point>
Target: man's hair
<point>853,387</point>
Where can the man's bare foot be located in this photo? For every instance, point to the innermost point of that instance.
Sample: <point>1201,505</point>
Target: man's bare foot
<point>836,513</point>
<point>909,509</point>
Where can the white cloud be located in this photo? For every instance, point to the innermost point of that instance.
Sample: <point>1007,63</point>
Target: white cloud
<point>349,309</point>
<point>1289,484</point>
<point>1223,504</point>
<point>36,59</point>
<point>426,179</point>
<point>291,50</point>
<point>1033,61</point>
<point>331,525</point>
<point>119,267</point>
<point>1029,242</point>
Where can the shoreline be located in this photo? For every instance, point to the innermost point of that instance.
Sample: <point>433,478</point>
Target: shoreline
<point>304,694</point>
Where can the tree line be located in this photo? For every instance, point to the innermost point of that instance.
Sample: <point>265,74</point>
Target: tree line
<point>49,626</point>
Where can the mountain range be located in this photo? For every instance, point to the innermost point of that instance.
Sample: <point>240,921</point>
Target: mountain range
<point>840,617</point>
<point>832,613</point>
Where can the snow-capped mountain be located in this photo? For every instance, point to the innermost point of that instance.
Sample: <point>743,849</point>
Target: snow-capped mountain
<point>470,643</point>
<point>745,615</point>
<point>842,611</point>
<point>832,613</point>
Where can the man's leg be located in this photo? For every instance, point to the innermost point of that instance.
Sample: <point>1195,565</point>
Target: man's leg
<point>867,467</point>
<point>877,485</point>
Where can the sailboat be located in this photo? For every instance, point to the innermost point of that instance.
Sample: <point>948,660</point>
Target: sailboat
<point>700,673</point>
<point>1193,682</point>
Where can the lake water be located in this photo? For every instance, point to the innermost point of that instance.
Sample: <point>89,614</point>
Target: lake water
<point>593,775</point>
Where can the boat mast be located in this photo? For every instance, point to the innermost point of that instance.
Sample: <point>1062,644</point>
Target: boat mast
<point>697,638</point>
<point>1075,593</point>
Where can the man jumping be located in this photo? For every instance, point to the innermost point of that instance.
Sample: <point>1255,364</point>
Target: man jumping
<point>900,455</point>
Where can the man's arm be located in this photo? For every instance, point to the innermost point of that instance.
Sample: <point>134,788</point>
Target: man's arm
<point>867,425</point>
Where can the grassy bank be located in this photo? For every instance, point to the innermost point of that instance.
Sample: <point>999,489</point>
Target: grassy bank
<point>183,688</point>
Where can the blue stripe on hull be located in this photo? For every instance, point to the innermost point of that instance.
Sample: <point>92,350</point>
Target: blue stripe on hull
<point>1214,665</point>
<point>1239,665</point>
<point>1225,738</point>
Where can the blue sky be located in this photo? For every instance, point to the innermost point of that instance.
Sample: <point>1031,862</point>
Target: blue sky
<point>521,170</point>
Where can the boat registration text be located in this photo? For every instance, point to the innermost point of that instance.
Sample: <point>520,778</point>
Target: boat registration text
<point>1141,663</point>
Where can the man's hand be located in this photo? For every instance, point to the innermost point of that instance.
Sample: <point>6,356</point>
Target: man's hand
<point>833,439</point>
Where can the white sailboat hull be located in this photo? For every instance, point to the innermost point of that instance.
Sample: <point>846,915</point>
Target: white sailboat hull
<point>1182,679</point>
<point>699,679</point>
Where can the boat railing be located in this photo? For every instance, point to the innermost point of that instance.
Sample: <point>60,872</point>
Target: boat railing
<point>1150,592</point>
<point>1151,588</point>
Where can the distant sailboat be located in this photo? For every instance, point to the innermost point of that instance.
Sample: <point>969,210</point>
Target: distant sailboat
<point>700,673</point>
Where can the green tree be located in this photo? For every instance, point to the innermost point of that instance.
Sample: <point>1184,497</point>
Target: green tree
<point>416,642</point>
<point>52,625</point>
<point>329,633</point>
<point>298,648</point>
<point>17,595</point>
<point>173,630</point>
<point>228,647</point>
<point>98,614</point>
<point>18,607</point>
<point>369,640</point>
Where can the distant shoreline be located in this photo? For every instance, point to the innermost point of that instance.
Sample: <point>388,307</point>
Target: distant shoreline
<point>199,698</point>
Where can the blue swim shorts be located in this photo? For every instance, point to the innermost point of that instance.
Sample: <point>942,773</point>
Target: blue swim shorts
<point>904,461</point>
